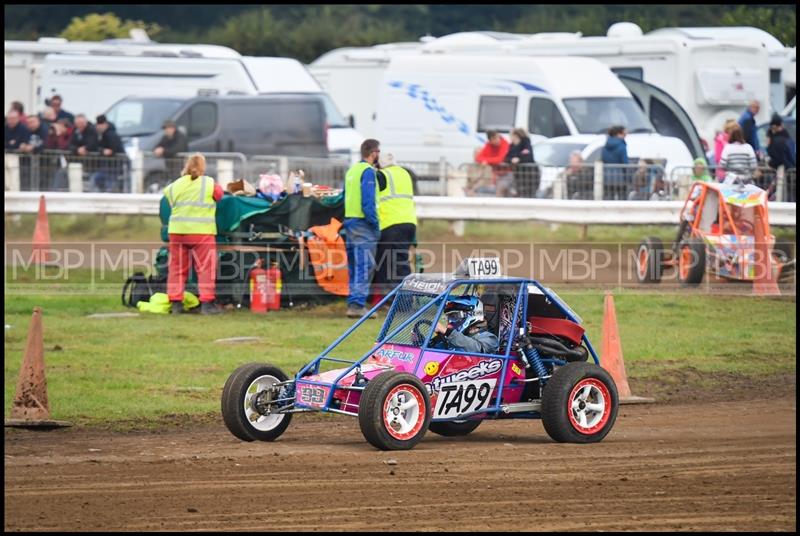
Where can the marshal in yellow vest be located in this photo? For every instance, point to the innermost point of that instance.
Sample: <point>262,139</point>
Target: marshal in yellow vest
<point>352,190</point>
<point>193,210</point>
<point>396,201</point>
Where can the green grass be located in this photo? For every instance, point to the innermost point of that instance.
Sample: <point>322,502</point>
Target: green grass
<point>115,370</point>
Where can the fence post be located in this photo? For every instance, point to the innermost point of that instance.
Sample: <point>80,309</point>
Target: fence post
<point>684,180</point>
<point>12,172</point>
<point>442,176</point>
<point>780,184</point>
<point>75,174</point>
<point>137,173</point>
<point>224,172</point>
<point>598,180</point>
<point>283,168</point>
<point>558,186</point>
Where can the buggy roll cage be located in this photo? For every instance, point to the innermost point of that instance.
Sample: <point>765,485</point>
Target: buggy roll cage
<point>440,300</point>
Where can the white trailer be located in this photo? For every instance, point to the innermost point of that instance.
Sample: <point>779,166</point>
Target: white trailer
<point>432,106</point>
<point>712,79</point>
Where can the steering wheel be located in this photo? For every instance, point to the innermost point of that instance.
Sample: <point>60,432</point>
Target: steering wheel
<point>418,338</point>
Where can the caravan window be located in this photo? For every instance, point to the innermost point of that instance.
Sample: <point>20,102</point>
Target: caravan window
<point>545,119</point>
<point>200,120</point>
<point>632,72</point>
<point>497,113</point>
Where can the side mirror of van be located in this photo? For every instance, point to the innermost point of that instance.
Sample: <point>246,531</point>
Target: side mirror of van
<point>351,120</point>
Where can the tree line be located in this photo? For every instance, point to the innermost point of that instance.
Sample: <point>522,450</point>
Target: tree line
<point>305,32</point>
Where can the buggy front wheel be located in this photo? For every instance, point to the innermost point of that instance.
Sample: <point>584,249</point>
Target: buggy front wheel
<point>394,411</point>
<point>248,403</point>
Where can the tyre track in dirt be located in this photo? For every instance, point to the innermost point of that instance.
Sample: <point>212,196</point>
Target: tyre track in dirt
<point>713,466</point>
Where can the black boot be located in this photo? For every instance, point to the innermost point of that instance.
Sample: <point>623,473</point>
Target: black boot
<point>177,307</point>
<point>209,308</point>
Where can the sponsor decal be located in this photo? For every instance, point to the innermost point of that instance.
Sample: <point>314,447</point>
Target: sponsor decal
<point>432,368</point>
<point>484,368</point>
<point>516,369</point>
<point>392,354</point>
<point>426,287</point>
<point>311,395</point>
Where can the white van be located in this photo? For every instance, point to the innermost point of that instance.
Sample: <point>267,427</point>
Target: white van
<point>440,106</point>
<point>712,79</point>
<point>91,84</point>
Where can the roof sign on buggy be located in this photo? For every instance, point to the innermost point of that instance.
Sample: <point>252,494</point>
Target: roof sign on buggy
<point>434,284</point>
<point>479,268</point>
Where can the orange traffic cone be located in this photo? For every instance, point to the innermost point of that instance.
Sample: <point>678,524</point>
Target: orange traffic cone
<point>30,407</point>
<point>765,283</point>
<point>611,354</point>
<point>41,236</point>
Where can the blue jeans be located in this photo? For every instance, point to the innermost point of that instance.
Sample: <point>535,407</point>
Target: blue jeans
<point>361,240</point>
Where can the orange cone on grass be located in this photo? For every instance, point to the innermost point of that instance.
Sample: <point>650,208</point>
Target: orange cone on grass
<point>41,235</point>
<point>611,354</point>
<point>30,407</point>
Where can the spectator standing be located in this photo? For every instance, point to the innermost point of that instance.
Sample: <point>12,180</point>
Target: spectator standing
<point>615,152</point>
<point>55,103</point>
<point>522,180</point>
<point>18,107</point>
<point>58,137</point>
<point>738,157</point>
<point>782,150</point>
<point>84,137</point>
<point>172,143</point>
<point>16,132</point>
<point>192,232</point>
<point>110,170</point>
<point>38,135</point>
<point>700,170</point>
<point>397,218</point>
<point>747,122</point>
<point>719,143</point>
<point>578,177</point>
<point>361,226</point>
<point>48,116</point>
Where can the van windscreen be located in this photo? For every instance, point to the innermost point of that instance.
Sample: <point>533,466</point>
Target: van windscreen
<point>597,114</point>
<point>140,117</point>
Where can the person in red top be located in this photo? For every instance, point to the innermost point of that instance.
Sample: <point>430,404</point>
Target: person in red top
<point>495,150</point>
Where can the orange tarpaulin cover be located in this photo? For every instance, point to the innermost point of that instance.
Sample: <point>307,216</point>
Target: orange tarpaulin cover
<point>328,257</point>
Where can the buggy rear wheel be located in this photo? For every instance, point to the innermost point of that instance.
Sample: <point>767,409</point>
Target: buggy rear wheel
<point>648,260</point>
<point>247,403</point>
<point>394,411</point>
<point>691,261</point>
<point>453,428</point>
<point>579,403</point>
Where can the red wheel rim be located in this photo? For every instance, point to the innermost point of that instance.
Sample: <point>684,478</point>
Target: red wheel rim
<point>403,403</point>
<point>589,406</point>
<point>643,255</point>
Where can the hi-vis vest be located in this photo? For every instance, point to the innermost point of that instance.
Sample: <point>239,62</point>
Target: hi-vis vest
<point>192,204</point>
<point>352,190</point>
<point>396,201</point>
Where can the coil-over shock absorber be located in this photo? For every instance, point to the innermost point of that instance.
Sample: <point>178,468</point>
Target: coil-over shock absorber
<point>530,355</point>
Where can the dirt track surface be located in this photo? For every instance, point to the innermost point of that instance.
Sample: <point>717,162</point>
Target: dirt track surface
<point>717,466</point>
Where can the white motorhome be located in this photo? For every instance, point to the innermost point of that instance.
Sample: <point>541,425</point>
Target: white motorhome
<point>432,106</point>
<point>712,79</point>
<point>779,55</point>
<point>92,83</point>
<point>351,76</point>
<point>24,59</point>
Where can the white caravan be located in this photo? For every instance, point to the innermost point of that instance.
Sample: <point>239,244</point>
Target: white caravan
<point>24,59</point>
<point>712,79</point>
<point>436,106</point>
<point>91,83</point>
<point>779,55</point>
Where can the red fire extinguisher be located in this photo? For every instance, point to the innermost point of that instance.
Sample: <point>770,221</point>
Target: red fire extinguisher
<point>274,284</point>
<point>259,291</point>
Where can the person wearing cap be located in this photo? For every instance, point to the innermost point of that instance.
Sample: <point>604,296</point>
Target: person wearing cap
<point>781,149</point>
<point>192,232</point>
<point>397,219</point>
<point>172,143</point>
<point>700,170</point>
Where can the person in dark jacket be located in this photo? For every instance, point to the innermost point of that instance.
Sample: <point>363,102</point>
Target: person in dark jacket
<point>782,150</point>
<point>17,133</point>
<point>526,178</point>
<point>172,143</point>
<point>38,135</point>
<point>110,172</point>
<point>84,137</point>
<point>748,123</point>
<point>55,103</point>
<point>615,152</point>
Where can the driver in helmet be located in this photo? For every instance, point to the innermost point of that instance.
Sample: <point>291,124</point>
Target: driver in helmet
<point>466,328</point>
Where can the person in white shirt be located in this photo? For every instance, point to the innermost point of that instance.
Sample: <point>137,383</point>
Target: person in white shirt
<point>738,158</point>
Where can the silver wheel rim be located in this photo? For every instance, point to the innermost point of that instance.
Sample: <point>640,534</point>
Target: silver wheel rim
<point>262,423</point>
<point>402,412</point>
<point>588,406</point>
